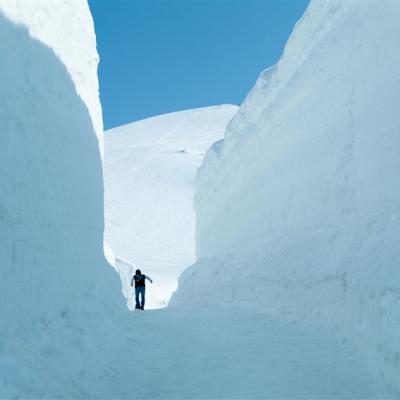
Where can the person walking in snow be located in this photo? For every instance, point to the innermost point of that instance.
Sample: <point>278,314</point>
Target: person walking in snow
<point>140,288</point>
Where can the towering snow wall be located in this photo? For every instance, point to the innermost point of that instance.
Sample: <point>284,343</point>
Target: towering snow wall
<point>298,209</point>
<point>51,204</point>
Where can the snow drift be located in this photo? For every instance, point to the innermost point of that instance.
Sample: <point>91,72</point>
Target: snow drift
<point>51,208</point>
<point>149,172</point>
<point>298,209</point>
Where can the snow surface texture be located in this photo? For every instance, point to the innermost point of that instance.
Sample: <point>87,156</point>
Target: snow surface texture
<point>298,209</point>
<point>50,24</point>
<point>149,173</point>
<point>51,208</point>
<point>65,332</point>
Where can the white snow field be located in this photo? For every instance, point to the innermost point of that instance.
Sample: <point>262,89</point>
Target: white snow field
<point>65,331</point>
<point>149,173</point>
<point>298,209</point>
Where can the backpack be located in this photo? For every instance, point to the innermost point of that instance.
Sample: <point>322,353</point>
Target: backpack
<point>139,280</point>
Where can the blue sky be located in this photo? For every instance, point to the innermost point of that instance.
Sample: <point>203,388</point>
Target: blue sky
<point>159,56</point>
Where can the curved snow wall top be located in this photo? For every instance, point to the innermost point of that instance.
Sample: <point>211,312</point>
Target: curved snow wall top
<point>51,203</point>
<point>68,29</point>
<point>298,209</point>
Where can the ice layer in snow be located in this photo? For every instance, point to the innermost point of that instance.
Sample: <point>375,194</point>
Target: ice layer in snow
<point>149,172</point>
<point>298,209</point>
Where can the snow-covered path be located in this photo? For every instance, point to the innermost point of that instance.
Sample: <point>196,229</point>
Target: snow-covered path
<point>233,353</point>
<point>185,353</point>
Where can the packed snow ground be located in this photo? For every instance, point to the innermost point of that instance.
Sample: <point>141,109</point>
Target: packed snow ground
<point>239,353</point>
<point>178,353</point>
<point>149,173</point>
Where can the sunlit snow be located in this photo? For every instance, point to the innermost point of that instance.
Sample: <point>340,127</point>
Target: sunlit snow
<point>294,292</point>
<point>149,172</point>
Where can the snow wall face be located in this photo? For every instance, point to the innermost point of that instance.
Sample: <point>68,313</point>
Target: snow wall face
<point>51,206</point>
<point>298,210</point>
<point>68,30</point>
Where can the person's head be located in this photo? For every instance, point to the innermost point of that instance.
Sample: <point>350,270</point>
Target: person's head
<point>138,272</point>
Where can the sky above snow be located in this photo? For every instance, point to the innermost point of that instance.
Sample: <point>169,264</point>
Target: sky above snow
<point>159,56</point>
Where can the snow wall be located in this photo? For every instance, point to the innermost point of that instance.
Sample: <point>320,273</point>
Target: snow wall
<point>51,207</point>
<point>298,209</point>
<point>68,30</point>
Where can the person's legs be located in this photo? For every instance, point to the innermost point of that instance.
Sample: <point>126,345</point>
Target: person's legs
<point>137,291</point>
<point>143,290</point>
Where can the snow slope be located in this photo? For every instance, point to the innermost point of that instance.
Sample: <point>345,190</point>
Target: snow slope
<point>298,208</point>
<point>149,172</point>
